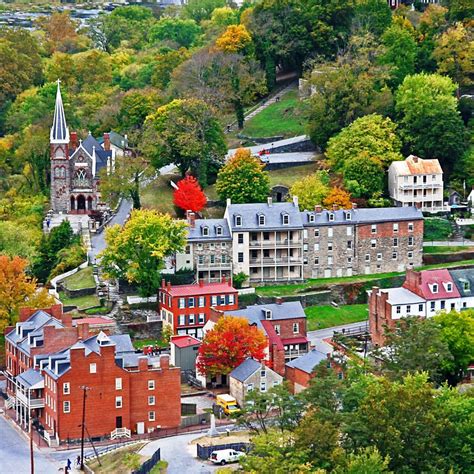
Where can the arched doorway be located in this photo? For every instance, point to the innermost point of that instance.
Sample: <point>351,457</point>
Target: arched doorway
<point>89,203</point>
<point>73,203</point>
<point>81,203</point>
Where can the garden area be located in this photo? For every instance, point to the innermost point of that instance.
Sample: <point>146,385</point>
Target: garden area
<point>436,228</point>
<point>321,317</point>
<point>84,278</point>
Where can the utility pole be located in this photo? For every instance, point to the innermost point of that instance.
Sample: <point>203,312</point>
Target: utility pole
<point>32,458</point>
<point>84,389</point>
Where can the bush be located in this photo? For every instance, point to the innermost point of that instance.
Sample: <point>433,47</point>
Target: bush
<point>239,279</point>
<point>469,232</point>
<point>437,228</point>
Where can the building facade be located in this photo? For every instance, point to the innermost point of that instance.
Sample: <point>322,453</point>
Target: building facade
<point>186,308</point>
<point>276,242</point>
<point>423,294</point>
<point>252,375</point>
<point>416,182</point>
<point>75,166</point>
<point>52,365</point>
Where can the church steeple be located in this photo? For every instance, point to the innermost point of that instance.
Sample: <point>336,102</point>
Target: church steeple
<point>59,131</point>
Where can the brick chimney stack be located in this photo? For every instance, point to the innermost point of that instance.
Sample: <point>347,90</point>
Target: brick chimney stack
<point>191,218</point>
<point>201,282</point>
<point>106,142</point>
<point>279,300</point>
<point>73,142</point>
<point>164,361</point>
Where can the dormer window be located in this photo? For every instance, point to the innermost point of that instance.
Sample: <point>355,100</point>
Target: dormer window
<point>285,219</point>
<point>219,230</point>
<point>238,221</point>
<point>205,231</point>
<point>466,286</point>
<point>434,288</point>
<point>311,217</point>
<point>261,219</point>
<point>348,216</point>
<point>331,217</point>
<point>267,313</point>
<point>449,287</point>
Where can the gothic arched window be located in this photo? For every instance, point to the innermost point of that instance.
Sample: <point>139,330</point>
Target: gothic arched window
<point>80,178</point>
<point>57,172</point>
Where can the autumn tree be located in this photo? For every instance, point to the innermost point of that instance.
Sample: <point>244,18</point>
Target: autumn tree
<point>18,290</point>
<point>339,197</point>
<point>242,179</point>
<point>136,251</point>
<point>189,195</point>
<point>231,341</point>
<point>187,133</point>
<point>125,179</point>
<point>311,190</point>
<point>235,39</point>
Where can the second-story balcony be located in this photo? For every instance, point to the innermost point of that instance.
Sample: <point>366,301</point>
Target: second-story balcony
<point>276,243</point>
<point>277,261</point>
<point>214,266</point>
<point>29,402</point>
<point>407,186</point>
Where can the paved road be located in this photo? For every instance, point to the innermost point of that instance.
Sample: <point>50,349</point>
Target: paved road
<point>315,336</point>
<point>15,453</point>
<point>98,240</point>
<point>287,141</point>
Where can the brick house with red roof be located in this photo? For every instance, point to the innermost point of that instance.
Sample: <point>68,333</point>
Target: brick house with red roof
<point>186,308</point>
<point>423,294</point>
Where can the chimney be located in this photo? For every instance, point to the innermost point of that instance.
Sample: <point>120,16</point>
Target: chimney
<point>223,279</point>
<point>191,217</point>
<point>201,282</point>
<point>228,202</point>
<point>354,205</point>
<point>335,207</point>
<point>415,159</point>
<point>318,208</point>
<point>106,142</point>
<point>83,331</point>
<point>142,364</point>
<point>73,141</point>
<point>168,285</point>
<point>66,319</point>
<point>295,201</point>
<point>164,361</point>
<point>269,201</point>
<point>279,300</point>
<point>163,283</point>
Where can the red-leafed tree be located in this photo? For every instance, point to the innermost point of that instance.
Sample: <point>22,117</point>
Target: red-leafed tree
<point>228,344</point>
<point>189,195</point>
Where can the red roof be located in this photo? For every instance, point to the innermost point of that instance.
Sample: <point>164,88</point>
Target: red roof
<point>94,321</point>
<point>273,337</point>
<point>295,340</point>
<point>199,290</point>
<point>427,279</point>
<point>185,341</point>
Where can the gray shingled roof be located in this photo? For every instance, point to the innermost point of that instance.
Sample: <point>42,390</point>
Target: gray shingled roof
<point>361,216</point>
<point>460,277</point>
<point>30,377</point>
<point>285,310</point>
<point>308,362</point>
<point>195,234</point>
<point>273,216</point>
<point>247,368</point>
<point>115,139</point>
<point>101,155</point>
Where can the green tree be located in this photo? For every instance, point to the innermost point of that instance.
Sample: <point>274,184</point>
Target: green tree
<point>459,10</point>
<point>185,132</point>
<point>400,53</point>
<point>136,251</point>
<point>165,64</point>
<point>416,345</point>
<point>242,179</point>
<point>311,190</point>
<point>373,16</point>
<point>429,123</point>
<point>182,32</point>
<point>365,461</point>
<point>199,10</point>
<point>364,175</point>
<point>372,134</point>
<point>457,331</point>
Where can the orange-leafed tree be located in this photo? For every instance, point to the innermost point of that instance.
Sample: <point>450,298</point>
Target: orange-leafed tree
<point>228,344</point>
<point>189,195</point>
<point>235,39</point>
<point>18,290</point>
<point>338,196</point>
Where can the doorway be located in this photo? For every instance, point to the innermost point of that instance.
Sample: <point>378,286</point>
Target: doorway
<point>81,203</point>
<point>118,422</point>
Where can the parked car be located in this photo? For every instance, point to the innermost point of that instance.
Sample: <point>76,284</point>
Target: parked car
<point>223,456</point>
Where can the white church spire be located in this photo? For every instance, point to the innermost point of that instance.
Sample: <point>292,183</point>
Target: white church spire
<point>59,130</point>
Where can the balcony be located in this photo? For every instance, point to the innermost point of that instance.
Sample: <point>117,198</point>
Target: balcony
<point>276,261</point>
<point>32,402</point>
<point>214,266</point>
<point>420,186</point>
<point>276,243</point>
<point>291,354</point>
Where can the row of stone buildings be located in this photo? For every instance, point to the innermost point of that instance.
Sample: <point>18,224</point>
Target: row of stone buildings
<point>278,242</point>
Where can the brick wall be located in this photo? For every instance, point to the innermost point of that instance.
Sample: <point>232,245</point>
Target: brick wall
<point>380,316</point>
<point>297,379</point>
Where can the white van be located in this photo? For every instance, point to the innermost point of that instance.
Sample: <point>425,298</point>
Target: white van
<point>224,456</point>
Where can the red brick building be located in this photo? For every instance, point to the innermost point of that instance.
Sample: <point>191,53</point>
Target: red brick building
<point>186,308</point>
<point>50,364</point>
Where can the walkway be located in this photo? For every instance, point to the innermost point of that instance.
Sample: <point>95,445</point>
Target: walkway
<point>448,243</point>
<point>316,337</point>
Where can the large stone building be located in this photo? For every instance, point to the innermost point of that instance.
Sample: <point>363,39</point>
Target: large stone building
<point>276,242</point>
<point>416,182</point>
<point>75,166</point>
<point>423,294</point>
<point>50,363</point>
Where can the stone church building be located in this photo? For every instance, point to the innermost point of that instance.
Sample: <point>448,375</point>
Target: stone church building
<point>75,166</point>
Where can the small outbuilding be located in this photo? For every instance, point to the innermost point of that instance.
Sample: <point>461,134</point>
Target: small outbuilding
<point>184,351</point>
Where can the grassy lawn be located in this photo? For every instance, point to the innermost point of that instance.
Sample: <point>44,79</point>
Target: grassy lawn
<point>442,249</point>
<point>282,290</point>
<point>81,279</point>
<point>280,118</point>
<point>159,195</point>
<point>288,176</point>
<point>320,317</point>
<point>81,302</point>
<point>141,343</point>
<point>120,461</point>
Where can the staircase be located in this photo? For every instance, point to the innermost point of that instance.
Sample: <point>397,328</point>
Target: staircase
<point>120,433</point>
<point>9,403</point>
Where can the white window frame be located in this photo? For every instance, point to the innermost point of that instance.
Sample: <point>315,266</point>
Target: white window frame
<point>118,402</point>
<point>66,388</point>
<point>93,368</point>
<point>66,406</point>
<point>151,400</point>
<point>151,416</point>
<point>296,328</point>
<point>151,385</point>
<point>118,383</point>
<point>202,302</point>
